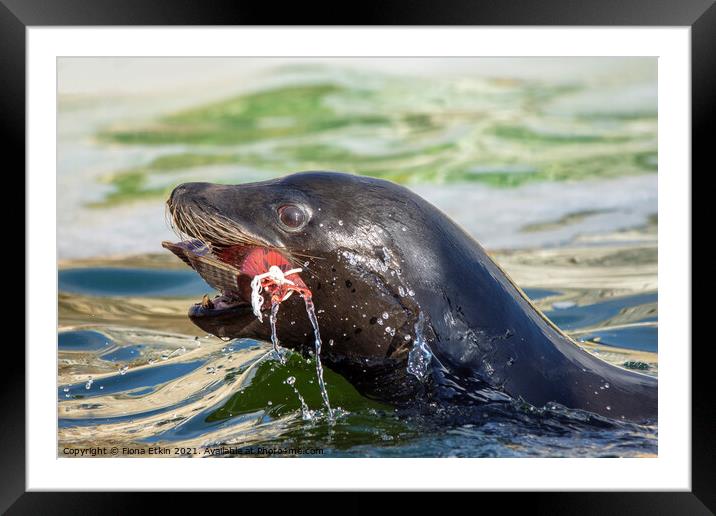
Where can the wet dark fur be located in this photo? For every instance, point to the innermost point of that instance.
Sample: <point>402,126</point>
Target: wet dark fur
<point>487,339</point>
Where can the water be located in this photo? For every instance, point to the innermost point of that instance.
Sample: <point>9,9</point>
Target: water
<point>209,391</point>
<point>306,413</point>
<point>274,336</point>
<point>550,164</point>
<point>277,281</point>
<point>279,353</point>
<point>583,131</point>
<point>311,311</point>
<point>419,356</point>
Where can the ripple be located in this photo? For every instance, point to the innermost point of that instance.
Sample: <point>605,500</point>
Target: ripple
<point>82,340</point>
<point>109,281</point>
<point>198,391</point>
<point>148,377</point>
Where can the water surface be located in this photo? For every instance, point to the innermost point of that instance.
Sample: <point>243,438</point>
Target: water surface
<point>153,384</point>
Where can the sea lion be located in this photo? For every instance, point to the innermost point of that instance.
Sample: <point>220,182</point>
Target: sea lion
<point>408,303</point>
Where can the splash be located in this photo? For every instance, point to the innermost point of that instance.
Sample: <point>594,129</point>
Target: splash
<point>306,413</point>
<point>311,311</point>
<point>419,356</point>
<point>274,336</point>
<point>280,288</point>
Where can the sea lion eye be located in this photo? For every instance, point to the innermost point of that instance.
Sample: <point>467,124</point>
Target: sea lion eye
<point>291,216</point>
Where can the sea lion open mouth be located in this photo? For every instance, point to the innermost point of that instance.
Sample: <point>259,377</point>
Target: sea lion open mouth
<point>231,270</point>
<point>228,259</point>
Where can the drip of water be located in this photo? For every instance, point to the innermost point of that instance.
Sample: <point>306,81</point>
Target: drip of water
<point>419,356</point>
<point>276,277</point>
<point>274,337</point>
<point>310,309</point>
<point>306,413</point>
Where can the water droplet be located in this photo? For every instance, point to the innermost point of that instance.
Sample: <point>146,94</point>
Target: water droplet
<point>419,356</point>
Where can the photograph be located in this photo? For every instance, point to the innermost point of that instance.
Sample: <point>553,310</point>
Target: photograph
<point>357,257</point>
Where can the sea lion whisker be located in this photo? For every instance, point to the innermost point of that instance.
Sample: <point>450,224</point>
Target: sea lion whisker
<point>197,224</point>
<point>191,229</point>
<point>230,228</point>
<point>178,224</point>
<point>167,216</point>
<point>212,229</point>
<point>303,255</point>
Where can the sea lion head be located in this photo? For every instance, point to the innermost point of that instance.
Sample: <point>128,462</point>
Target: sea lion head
<point>348,234</point>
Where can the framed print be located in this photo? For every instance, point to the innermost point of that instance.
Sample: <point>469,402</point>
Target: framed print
<point>404,255</point>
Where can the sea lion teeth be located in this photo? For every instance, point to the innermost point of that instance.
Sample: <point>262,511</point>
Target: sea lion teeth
<point>206,302</point>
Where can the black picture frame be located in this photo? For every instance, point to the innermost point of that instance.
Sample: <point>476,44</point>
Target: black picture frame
<point>17,15</point>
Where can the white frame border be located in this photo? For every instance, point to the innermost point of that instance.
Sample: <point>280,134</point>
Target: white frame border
<point>670,471</point>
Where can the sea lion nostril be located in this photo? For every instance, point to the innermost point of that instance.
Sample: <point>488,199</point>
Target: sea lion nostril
<point>187,191</point>
<point>176,194</point>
